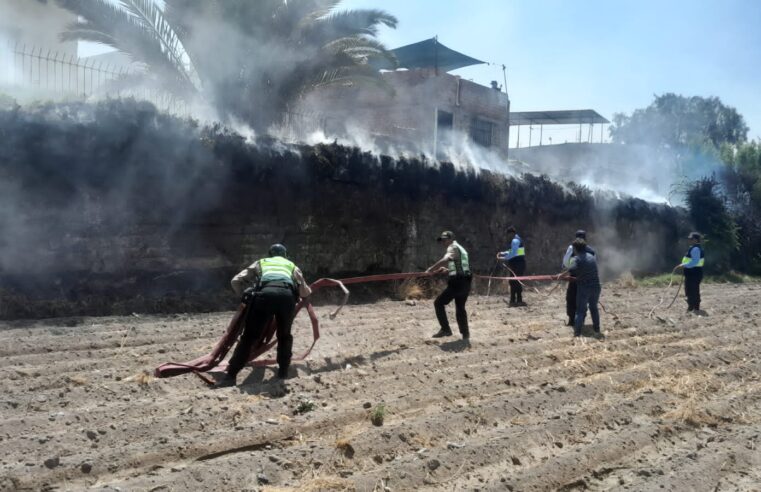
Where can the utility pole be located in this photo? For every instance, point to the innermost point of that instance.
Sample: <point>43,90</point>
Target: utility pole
<point>507,95</point>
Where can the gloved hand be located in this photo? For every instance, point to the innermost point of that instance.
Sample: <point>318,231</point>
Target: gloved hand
<point>248,295</point>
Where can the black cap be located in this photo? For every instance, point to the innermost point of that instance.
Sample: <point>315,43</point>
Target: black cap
<point>581,233</point>
<point>277,250</point>
<point>695,235</point>
<point>445,235</point>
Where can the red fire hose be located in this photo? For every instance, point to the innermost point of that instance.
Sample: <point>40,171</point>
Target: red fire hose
<point>267,341</point>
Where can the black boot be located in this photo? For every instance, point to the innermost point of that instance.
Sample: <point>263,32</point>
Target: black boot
<point>226,382</point>
<point>442,333</point>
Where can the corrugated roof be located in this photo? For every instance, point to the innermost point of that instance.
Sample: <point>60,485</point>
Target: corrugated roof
<point>565,117</point>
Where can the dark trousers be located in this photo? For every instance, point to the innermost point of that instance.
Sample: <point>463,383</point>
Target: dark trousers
<point>518,266</point>
<point>587,296</point>
<point>279,302</point>
<point>458,288</point>
<point>570,300</point>
<point>692,279</point>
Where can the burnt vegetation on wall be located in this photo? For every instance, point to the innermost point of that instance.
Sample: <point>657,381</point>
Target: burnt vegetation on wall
<point>82,184</point>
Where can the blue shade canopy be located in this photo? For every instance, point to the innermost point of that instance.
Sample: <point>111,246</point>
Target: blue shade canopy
<point>431,54</point>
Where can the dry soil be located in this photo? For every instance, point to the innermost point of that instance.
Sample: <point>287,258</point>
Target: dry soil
<point>672,402</point>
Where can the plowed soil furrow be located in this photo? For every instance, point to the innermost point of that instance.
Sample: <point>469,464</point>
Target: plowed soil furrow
<point>521,408</point>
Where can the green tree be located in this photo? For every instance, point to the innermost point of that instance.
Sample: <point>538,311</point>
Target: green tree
<point>251,59</point>
<point>741,180</point>
<point>710,215</point>
<point>673,120</point>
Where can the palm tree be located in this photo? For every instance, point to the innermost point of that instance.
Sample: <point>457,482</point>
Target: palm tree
<point>138,29</point>
<point>252,59</point>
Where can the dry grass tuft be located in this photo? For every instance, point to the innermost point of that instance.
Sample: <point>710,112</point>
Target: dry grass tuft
<point>691,414</point>
<point>626,281</point>
<point>684,384</point>
<point>77,380</point>
<point>411,289</point>
<point>142,378</point>
<point>317,484</point>
<point>345,447</point>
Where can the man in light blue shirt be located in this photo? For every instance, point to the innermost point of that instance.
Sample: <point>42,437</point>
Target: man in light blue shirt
<point>516,261</point>
<point>692,263</point>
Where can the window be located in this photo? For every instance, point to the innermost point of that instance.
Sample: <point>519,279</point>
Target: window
<point>481,131</point>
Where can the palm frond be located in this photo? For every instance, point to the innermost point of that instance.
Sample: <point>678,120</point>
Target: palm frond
<point>351,22</point>
<point>154,21</point>
<point>319,9</point>
<point>361,49</point>
<point>128,34</point>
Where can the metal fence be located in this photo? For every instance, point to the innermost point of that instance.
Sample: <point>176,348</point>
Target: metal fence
<point>48,73</point>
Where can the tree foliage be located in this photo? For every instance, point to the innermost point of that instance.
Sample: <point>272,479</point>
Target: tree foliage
<point>741,180</point>
<point>251,59</point>
<point>711,216</point>
<point>674,120</point>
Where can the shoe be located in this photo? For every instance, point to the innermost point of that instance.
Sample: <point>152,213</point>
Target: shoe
<point>442,333</point>
<point>225,382</point>
<point>521,304</point>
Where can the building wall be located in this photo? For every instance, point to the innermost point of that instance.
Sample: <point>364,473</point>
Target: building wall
<point>204,203</point>
<point>404,111</point>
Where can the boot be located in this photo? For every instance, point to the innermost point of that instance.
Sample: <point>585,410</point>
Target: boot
<point>226,382</point>
<point>442,333</point>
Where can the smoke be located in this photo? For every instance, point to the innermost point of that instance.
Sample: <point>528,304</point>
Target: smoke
<point>58,171</point>
<point>650,173</point>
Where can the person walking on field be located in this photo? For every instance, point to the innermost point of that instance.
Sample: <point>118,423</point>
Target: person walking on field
<point>583,266</point>
<point>456,263</point>
<point>516,262</point>
<point>692,263</point>
<point>277,284</point>
<point>570,293</point>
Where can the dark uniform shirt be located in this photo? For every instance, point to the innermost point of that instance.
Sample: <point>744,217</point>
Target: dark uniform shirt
<point>584,268</point>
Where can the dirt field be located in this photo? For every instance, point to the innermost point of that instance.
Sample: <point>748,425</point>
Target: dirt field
<point>672,404</point>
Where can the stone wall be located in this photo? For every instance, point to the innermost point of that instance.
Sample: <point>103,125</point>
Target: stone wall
<point>116,208</point>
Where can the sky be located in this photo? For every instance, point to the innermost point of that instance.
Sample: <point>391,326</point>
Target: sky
<point>611,56</point>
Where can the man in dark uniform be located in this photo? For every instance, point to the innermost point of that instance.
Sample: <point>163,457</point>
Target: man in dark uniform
<point>584,268</point>
<point>516,261</point>
<point>457,264</point>
<point>570,293</point>
<point>692,263</point>
<point>277,284</point>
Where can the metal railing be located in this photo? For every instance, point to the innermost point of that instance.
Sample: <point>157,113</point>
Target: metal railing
<point>50,74</point>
